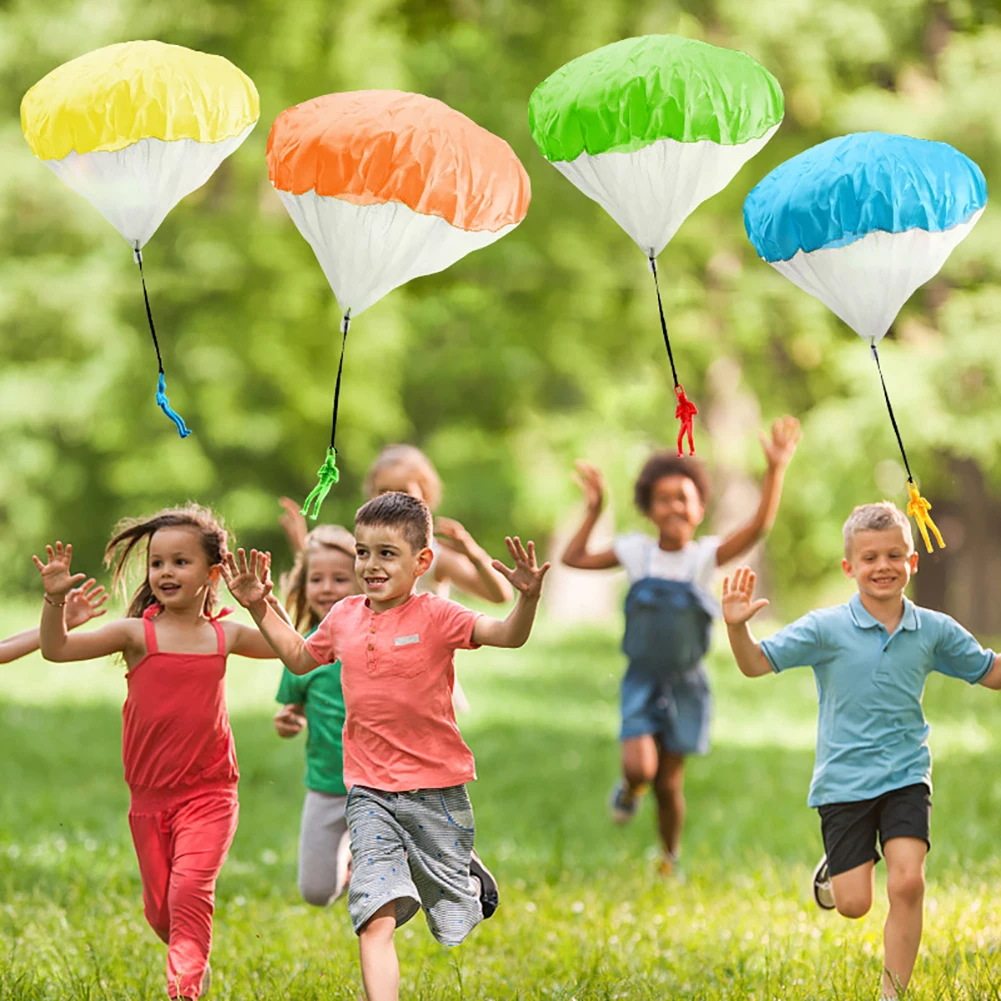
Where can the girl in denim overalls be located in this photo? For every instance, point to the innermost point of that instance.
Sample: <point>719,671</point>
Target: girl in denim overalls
<point>666,702</point>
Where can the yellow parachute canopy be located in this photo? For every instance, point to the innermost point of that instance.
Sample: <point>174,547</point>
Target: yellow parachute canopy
<point>134,127</point>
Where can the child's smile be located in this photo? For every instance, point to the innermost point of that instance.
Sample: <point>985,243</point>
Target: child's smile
<point>386,565</point>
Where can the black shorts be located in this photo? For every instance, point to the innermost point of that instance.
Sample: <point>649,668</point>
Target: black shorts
<point>849,829</point>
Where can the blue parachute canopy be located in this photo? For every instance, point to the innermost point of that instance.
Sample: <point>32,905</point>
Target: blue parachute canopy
<point>841,190</point>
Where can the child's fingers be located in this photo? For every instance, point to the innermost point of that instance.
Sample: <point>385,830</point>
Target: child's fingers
<point>543,570</point>
<point>38,562</point>
<point>502,569</point>
<point>726,587</point>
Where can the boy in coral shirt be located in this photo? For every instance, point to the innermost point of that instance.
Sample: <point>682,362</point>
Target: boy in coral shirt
<point>405,763</point>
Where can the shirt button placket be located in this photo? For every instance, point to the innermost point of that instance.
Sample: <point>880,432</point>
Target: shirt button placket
<point>371,646</point>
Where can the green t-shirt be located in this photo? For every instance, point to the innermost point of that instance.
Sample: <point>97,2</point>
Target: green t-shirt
<point>320,693</point>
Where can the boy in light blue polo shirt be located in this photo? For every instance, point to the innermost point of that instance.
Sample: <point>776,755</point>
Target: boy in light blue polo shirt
<point>872,777</point>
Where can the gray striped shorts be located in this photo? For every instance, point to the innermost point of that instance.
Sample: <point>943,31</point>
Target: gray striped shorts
<point>414,848</point>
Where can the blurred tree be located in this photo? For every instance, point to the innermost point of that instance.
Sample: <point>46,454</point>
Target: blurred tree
<point>523,356</point>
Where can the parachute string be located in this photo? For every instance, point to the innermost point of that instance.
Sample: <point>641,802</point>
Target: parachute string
<point>889,407</point>
<point>161,386</point>
<point>328,474</point>
<point>917,506</point>
<point>345,324</point>
<point>663,320</point>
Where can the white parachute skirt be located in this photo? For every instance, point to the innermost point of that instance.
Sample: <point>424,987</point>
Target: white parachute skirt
<point>868,281</point>
<point>134,188</point>
<point>631,187</point>
<point>366,251</point>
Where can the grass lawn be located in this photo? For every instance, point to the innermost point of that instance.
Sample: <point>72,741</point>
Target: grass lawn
<point>582,914</point>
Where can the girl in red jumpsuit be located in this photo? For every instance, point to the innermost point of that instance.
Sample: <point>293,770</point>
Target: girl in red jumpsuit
<point>177,746</point>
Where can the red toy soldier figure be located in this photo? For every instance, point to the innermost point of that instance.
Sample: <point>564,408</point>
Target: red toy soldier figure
<point>685,412</point>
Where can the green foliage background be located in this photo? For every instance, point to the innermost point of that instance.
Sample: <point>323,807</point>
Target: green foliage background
<point>521,357</point>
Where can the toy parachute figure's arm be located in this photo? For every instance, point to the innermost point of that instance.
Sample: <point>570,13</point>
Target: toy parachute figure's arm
<point>918,508</point>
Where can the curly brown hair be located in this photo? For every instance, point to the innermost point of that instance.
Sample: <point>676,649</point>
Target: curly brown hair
<point>665,463</point>
<point>132,537</point>
<point>323,538</point>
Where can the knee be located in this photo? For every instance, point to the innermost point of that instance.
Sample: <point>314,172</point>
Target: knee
<point>639,773</point>
<point>853,905</point>
<point>906,887</point>
<point>316,893</point>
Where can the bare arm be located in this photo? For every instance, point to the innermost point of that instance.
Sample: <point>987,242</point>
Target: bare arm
<point>463,561</point>
<point>526,578</point>
<point>738,608</point>
<point>250,584</point>
<point>779,451</point>
<point>512,631</point>
<point>19,645</point>
<point>590,480</point>
<point>992,679</point>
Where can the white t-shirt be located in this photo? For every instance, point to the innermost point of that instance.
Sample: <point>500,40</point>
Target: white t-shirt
<point>642,557</point>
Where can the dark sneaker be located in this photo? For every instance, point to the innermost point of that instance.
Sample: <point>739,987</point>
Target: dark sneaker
<point>822,891</point>
<point>489,898</point>
<point>624,803</point>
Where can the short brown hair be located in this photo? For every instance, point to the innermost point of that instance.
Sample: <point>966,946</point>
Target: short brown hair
<point>664,463</point>
<point>398,510</point>
<point>875,518</point>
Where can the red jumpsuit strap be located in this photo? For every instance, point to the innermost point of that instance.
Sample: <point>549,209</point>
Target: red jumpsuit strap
<point>149,629</point>
<point>219,631</point>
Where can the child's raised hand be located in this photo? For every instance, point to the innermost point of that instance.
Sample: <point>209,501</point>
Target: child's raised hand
<point>738,598</point>
<point>780,447</point>
<point>289,721</point>
<point>591,482</point>
<point>248,581</point>
<point>527,575</point>
<point>56,577</point>
<point>293,523</point>
<point>454,535</point>
<point>84,603</point>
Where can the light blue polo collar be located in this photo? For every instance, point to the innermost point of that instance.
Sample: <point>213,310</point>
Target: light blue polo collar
<point>864,620</point>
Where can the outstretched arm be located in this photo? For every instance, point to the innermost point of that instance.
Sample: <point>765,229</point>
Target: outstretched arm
<point>526,578</point>
<point>992,679</point>
<point>82,604</point>
<point>250,584</point>
<point>779,451</point>
<point>590,480</point>
<point>738,608</point>
<point>60,612</point>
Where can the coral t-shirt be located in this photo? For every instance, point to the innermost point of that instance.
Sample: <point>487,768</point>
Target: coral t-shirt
<point>397,673</point>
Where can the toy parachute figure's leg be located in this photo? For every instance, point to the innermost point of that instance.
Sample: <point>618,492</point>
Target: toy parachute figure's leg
<point>681,440</point>
<point>918,508</point>
<point>161,386</point>
<point>327,474</point>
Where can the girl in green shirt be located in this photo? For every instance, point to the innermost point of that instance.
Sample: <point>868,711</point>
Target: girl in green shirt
<point>323,574</point>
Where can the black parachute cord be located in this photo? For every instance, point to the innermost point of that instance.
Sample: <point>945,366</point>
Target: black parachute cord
<point>663,320</point>
<point>893,419</point>
<point>149,312</point>
<point>345,324</point>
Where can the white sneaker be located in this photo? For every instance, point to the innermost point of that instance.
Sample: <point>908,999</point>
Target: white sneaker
<point>823,894</point>
<point>206,980</point>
